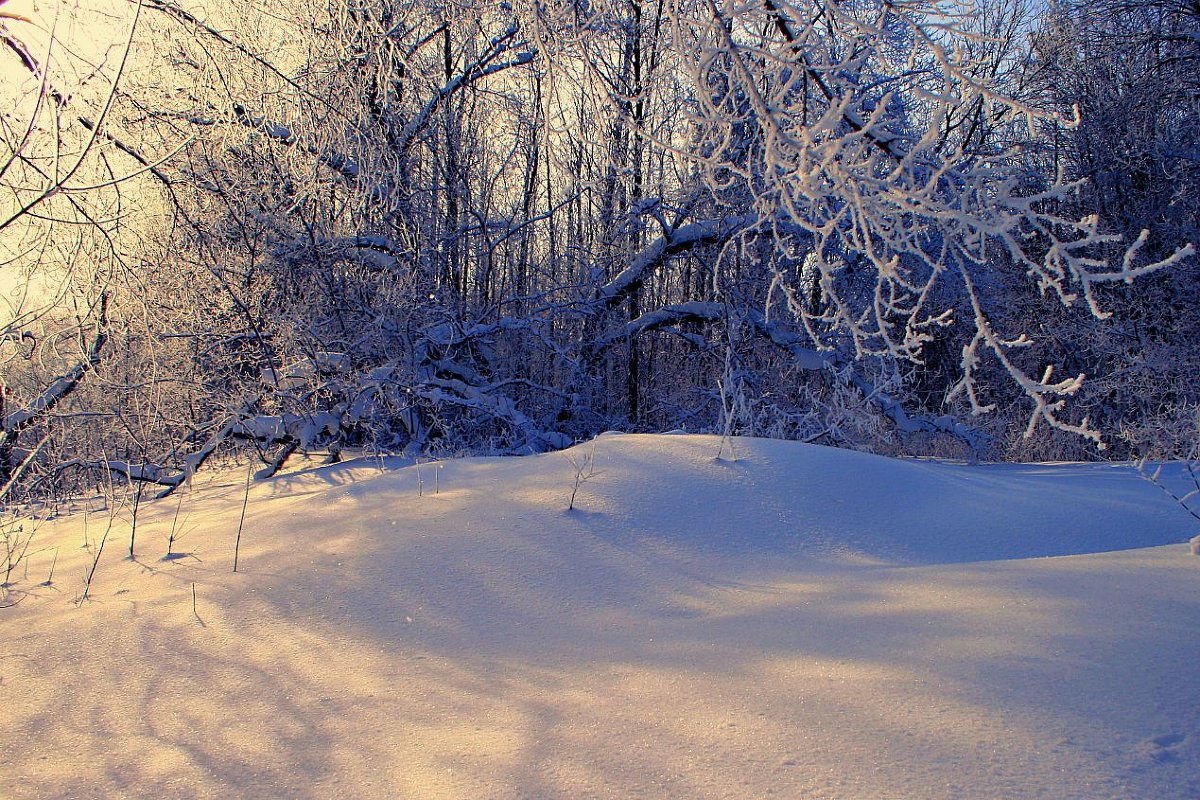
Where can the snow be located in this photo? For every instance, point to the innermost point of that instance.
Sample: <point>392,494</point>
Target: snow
<point>799,622</point>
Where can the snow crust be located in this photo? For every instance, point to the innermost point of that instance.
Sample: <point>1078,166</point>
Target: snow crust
<point>799,622</point>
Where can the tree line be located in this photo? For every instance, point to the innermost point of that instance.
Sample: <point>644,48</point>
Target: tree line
<point>503,227</point>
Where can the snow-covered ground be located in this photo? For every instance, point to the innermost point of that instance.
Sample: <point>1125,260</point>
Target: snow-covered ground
<point>799,622</point>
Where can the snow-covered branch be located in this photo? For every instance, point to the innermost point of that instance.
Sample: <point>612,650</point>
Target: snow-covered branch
<point>494,404</point>
<point>669,244</point>
<point>484,66</point>
<point>340,163</point>
<point>62,386</point>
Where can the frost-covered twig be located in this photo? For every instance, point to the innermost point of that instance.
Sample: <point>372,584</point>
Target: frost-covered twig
<point>585,469</point>
<point>1185,500</point>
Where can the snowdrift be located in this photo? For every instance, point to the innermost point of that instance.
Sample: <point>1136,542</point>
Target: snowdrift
<point>786,620</point>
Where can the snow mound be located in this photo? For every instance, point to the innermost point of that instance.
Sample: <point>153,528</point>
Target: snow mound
<point>775,498</point>
<point>793,497</point>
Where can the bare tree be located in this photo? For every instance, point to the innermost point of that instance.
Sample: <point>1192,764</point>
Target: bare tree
<point>62,204</point>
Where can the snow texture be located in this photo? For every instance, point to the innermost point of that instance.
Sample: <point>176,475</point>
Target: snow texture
<point>796,622</point>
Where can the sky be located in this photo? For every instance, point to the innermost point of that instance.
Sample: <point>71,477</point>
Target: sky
<point>87,29</point>
<point>26,20</point>
<point>89,35</point>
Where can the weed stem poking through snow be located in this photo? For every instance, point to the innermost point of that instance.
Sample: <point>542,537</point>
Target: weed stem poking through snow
<point>585,470</point>
<point>237,541</point>
<point>137,504</point>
